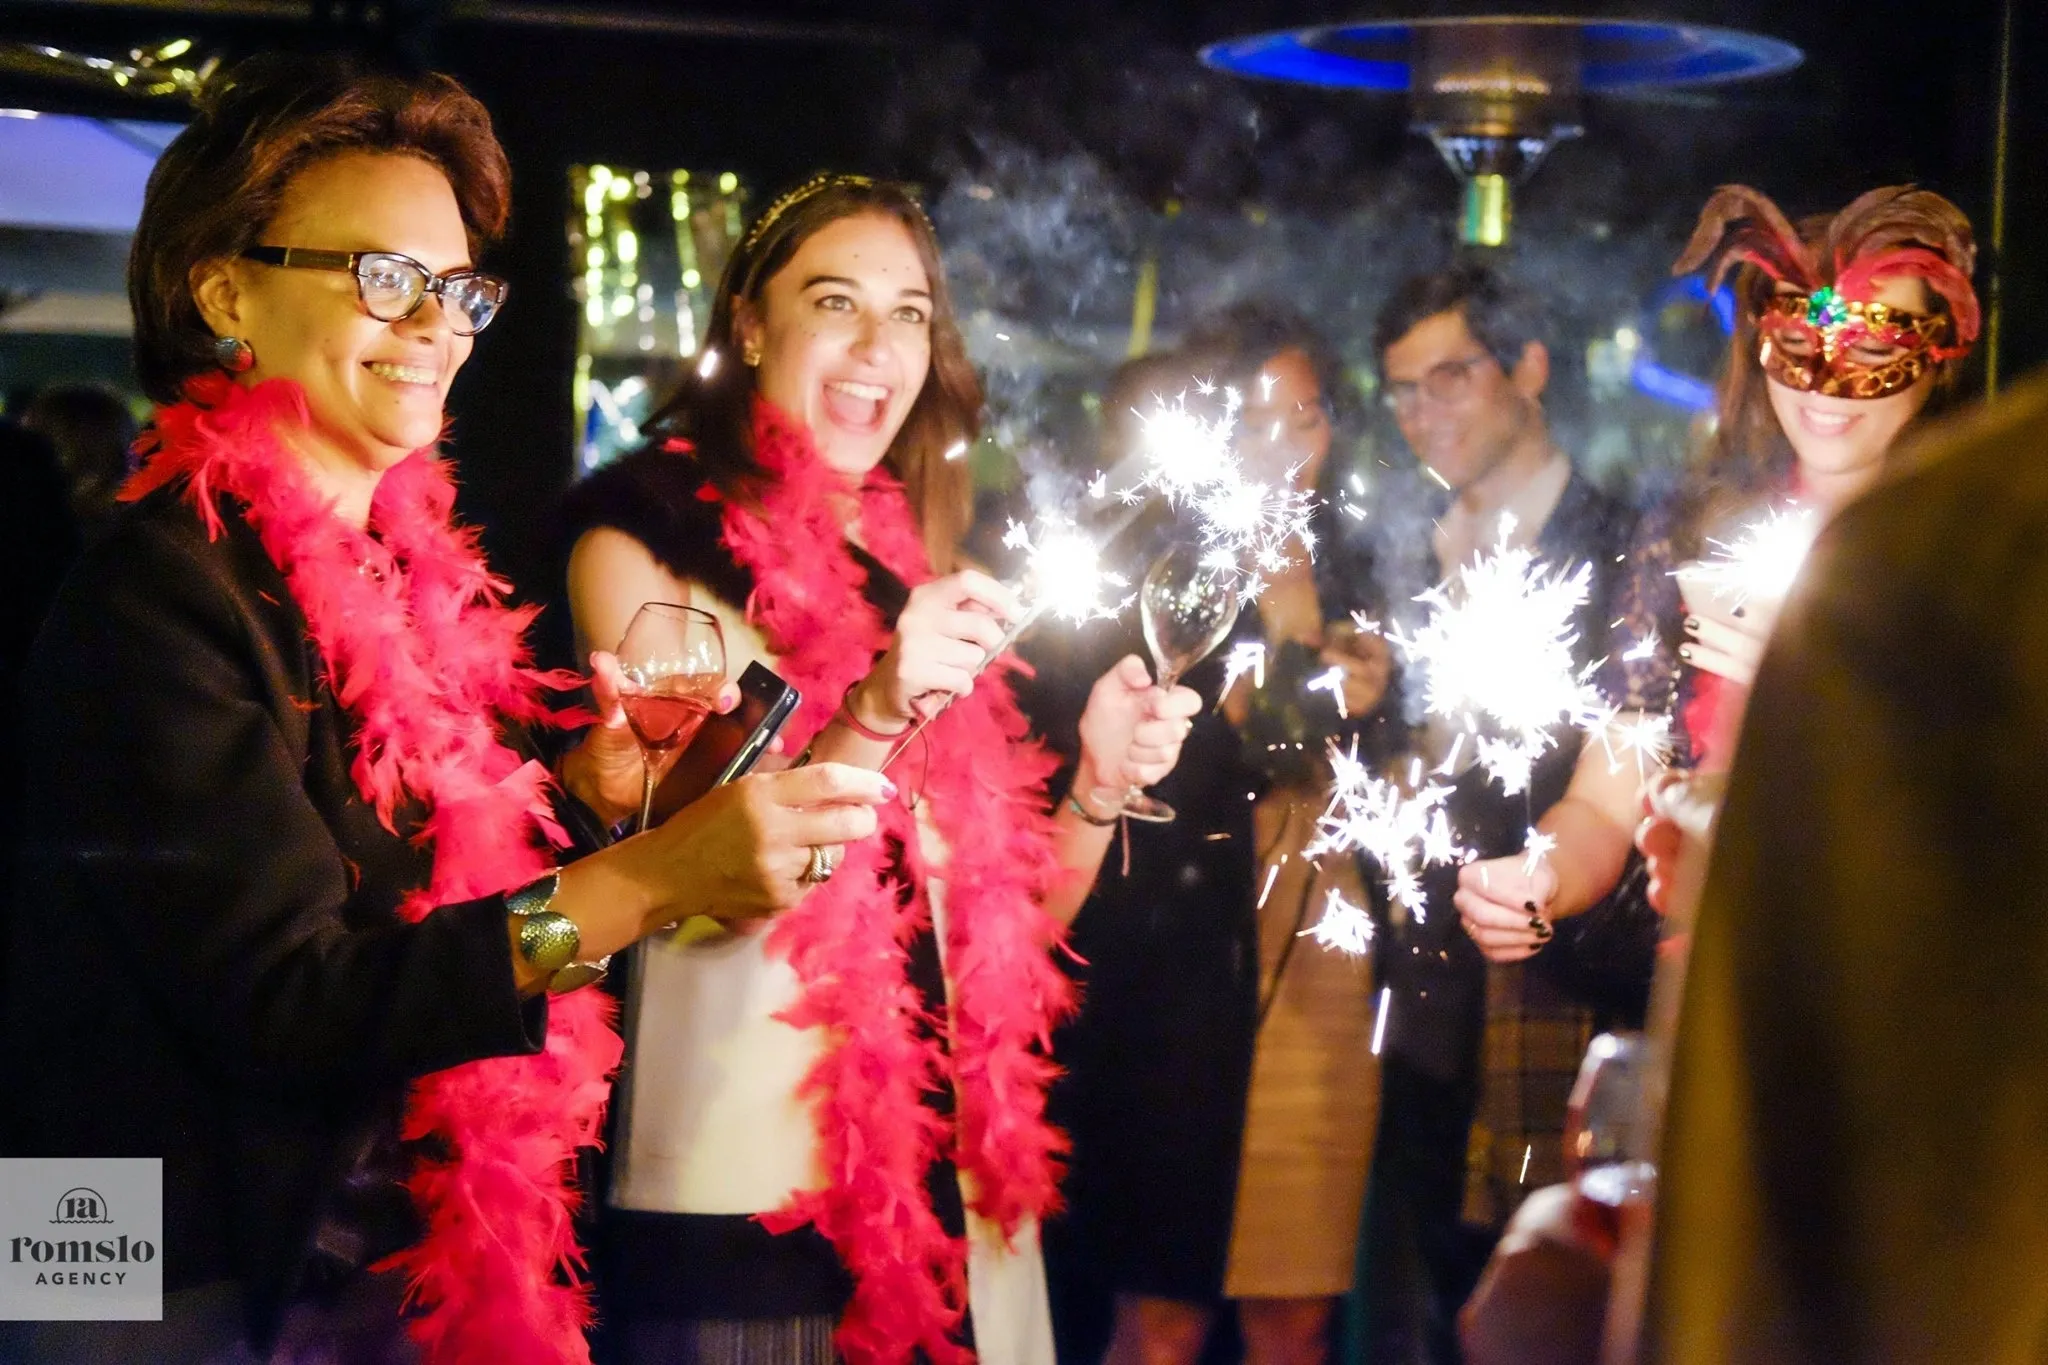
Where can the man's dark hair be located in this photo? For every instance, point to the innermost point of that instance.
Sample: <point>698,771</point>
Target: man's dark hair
<point>1502,316</point>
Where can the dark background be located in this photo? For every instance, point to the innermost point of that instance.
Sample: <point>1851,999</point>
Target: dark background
<point>940,91</point>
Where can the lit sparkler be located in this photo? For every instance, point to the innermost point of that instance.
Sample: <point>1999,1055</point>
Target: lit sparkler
<point>1344,926</point>
<point>1496,656</point>
<point>1403,829</point>
<point>1764,558</point>
<point>1063,576</point>
<point>1192,460</point>
<point>1063,573</point>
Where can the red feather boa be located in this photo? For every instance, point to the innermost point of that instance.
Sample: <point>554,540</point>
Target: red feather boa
<point>848,941</point>
<point>421,650</point>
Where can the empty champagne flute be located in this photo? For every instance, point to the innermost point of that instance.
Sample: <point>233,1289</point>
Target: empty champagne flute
<point>1187,605</point>
<point>673,659</point>
<point>1607,1143</point>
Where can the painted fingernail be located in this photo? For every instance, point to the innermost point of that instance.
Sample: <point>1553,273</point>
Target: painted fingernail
<point>1530,906</point>
<point>1692,623</point>
<point>1739,613</point>
<point>1685,653</point>
<point>1543,930</point>
<point>888,790</point>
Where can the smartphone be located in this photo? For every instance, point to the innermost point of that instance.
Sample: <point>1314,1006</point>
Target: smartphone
<point>727,747</point>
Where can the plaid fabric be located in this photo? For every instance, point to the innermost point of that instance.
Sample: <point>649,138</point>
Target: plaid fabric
<point>1529,1059</point>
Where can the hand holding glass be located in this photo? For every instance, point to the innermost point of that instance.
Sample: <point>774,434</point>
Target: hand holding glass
<point>1607,1127</point>
<point>673,659</point>
<point>1187,605</point>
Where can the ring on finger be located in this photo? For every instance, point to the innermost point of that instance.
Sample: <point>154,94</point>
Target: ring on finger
<point>824,861</point>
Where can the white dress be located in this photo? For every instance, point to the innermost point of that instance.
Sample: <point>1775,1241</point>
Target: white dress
<point>709,1119</point>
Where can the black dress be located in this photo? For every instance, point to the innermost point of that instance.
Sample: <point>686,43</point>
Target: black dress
<point>1158,1062</point>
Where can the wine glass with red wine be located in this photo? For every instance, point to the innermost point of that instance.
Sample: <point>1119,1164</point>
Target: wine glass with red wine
<point>673,658</point>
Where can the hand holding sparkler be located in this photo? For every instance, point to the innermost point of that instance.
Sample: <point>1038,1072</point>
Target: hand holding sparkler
<point>947,632</point>
<point>1063,577</point>
<point>1732,597</point>
<point>1504,902</point>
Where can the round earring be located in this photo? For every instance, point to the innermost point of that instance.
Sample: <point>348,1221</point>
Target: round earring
<point>750,355</point>
<point>233,355</point>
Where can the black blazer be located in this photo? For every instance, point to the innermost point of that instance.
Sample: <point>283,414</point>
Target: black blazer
<point>207,964</point>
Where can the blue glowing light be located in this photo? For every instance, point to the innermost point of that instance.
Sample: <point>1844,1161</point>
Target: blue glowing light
<point>1618,56</point>
<point>1668,385</point>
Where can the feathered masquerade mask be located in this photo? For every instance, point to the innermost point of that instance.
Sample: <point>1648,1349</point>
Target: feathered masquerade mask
<point>1818,328</point>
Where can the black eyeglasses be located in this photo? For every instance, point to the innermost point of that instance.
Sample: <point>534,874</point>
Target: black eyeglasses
<point>1445,382</point>
<point>392,287</point>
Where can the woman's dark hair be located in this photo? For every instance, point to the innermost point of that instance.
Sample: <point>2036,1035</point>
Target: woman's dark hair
<point>1243,336</point>
<point>1229,347</point>
<point>91,430</point>
<point>218,185</point>
<point>1501,315</point>
<point>714,403</point>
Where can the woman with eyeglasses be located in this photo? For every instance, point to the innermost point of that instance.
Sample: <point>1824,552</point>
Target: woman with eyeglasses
<point>302,912</point>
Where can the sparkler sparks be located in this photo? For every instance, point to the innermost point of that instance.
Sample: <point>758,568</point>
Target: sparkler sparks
<point>1401,829</point>
<point>1248,656</point>
<point>1764,558</point>
<point>1063,573</point>
<point>1192,460</point>
<point>1331,681</point>
<point>1647,738</point>
<point>1496,654</point>
<point>1344,926</point>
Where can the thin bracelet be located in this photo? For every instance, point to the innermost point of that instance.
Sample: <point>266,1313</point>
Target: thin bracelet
<point>864,731</point>
<point>1074,803</point>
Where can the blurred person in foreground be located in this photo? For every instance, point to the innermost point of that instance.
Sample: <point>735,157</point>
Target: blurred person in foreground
<point>1853,1152</point>
<point>301,910</point>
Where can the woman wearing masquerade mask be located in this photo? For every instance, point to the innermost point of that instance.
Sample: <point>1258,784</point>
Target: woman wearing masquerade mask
<point>299,914</point>
<point>1849,329</point>
<point>832,1135</point>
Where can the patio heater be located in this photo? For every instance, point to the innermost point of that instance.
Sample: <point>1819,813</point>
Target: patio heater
<point>1495,94</point>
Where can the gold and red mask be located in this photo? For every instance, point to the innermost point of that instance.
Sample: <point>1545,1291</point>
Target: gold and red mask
<point>1809,294</point>
<point>1848,348</point>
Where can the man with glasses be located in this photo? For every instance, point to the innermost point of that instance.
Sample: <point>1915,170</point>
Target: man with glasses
<point>1478,1060</point>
